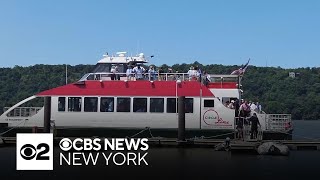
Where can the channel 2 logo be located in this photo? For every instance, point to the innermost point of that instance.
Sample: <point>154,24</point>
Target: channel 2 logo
<point>34,151</point>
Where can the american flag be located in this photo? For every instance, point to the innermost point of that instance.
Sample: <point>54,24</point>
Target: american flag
<point>241,70</point>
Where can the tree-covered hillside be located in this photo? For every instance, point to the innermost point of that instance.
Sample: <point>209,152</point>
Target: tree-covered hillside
<point>272,87</point>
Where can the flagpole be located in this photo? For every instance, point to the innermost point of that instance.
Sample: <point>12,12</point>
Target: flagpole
<point>66,74</point>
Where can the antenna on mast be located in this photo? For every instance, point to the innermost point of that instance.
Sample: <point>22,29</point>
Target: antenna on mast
<point>266,62</point>
<point>138,47</point>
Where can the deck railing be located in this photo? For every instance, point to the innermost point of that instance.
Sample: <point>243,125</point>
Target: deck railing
<point>215,78</point>
<point>279,122</point>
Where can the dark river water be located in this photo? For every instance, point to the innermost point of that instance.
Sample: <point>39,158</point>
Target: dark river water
<point>190,163</point>
<point>304,130</point>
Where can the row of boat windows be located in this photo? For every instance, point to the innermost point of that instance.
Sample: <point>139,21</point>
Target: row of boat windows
<point>123,104</point>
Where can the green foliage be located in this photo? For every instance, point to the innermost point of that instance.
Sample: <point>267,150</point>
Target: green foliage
<point>271,86</point>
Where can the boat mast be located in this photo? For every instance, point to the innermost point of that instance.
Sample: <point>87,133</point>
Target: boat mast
<point>66,74</point>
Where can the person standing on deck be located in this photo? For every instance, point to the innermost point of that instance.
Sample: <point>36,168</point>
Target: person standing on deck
<point>129,73</point>
<point>253,107</point>
<point>138,70</point>
<point>192,73</point>
<point>239,123</point>
<point>113,71</point>
<point>244,109</point>
<point>152,73</point>
<point>237,107</point>
<point>199,73</point>
<point>161,75</point>
<point>259,108</point>
<point>205,78</point>
<point>254,125</point>
<point>117,75</point>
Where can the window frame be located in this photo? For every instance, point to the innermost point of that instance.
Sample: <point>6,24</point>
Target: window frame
<point>112,104</point>
<point>81,106</point>
<point>133,104</point>
<point>127,103</point>
<point>206,100</point>
<point>176,106</point>
<point>192,105</point>
<point>163,104</point>
<point>65,103</point>
<point>84,103</point>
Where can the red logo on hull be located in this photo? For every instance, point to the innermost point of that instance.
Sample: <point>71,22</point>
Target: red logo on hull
<point>211,117</point>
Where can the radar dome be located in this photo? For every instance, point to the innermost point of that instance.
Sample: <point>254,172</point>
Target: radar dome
<point>141,55</point>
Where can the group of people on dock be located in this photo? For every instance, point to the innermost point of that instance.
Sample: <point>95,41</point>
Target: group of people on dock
<point>246,115</point>
<point>244,105</point>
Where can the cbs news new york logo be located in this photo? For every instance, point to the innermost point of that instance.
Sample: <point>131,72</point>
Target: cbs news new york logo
<point>34,151</point>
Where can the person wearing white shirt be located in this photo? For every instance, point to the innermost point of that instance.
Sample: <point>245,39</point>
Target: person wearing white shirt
<point>138,70</point>
<point>192,73</point>
<point>129,73</point>
<point>253,106</point>
<point>113,71</point>
<point>152,73</point>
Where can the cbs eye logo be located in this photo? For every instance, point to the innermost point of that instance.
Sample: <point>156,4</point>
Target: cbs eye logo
<point>65,144</point>
<point>28,151</point>
<point>34,151</point>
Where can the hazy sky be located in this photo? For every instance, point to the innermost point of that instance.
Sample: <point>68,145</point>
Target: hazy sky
<point>282,33</point>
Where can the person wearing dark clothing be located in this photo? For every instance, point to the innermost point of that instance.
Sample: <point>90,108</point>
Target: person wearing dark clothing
<point>161,75</point>
<point>254,125</point>
<point>236,107</point>
<point>239,122</point>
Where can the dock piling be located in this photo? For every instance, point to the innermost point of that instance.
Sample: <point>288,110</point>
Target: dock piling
<point>47,115</point>
<point>182,119</point>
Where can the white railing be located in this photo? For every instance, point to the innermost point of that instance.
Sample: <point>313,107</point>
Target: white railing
<point>278,122</point>
<point>159,77</point>
<point>22,111</point>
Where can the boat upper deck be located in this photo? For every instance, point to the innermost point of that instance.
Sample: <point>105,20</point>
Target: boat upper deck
<point>211,80</point>
<point>121,67</point>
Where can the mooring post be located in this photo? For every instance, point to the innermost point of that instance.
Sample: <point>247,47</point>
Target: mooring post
<point>47,114</point>
<point>182,119</point>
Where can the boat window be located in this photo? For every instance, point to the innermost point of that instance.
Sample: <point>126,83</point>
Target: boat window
<point>90,104</point>
<point>102,67</point>
<point>107,104</point>
<point>123,104</point>
<point>121,68</point>
<point>208,103</point>
<point>225,99</point>
<point>90,77</point>
<point>171,105</point>
<point>139,104</point>
<point>74,104</point>
<point>156,105</point>
<point>84,77</point>
<point>97,76</point>
<point>61,104</point>
<point>188,105</point>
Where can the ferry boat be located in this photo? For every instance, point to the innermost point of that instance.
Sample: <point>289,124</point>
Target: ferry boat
<point>110,103</point>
